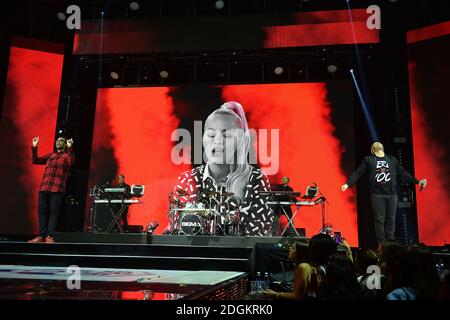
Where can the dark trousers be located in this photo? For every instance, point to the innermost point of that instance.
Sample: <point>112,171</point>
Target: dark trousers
<point>384,208</point>
<point>276,222</point>
<point>49,204</point>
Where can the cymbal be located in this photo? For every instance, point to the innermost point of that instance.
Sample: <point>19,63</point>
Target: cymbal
<point>226,194</point>
<point>210,194</point>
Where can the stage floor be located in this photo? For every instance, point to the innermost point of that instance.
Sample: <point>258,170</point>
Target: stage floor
<point>43,282</point>
<point>131,266</point>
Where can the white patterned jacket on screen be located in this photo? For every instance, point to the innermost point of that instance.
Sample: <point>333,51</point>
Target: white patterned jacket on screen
<point>255,214</point>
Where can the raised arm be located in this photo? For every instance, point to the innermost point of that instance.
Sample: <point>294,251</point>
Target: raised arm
<point>35,158</point>
<point>70,153</point>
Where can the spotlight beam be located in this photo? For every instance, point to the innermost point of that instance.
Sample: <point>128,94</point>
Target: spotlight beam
<point>358,55</point>
<point>365,108</point>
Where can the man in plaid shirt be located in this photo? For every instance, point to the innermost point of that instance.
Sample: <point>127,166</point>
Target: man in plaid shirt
<point>53,185</point>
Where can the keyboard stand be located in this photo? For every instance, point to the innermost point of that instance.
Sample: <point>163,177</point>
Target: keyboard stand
<point>116,217</point>
<point>290,220</point>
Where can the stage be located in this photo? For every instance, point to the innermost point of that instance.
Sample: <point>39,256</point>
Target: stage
<point>132,266</point>
<point>37,282</point>
<point>177,252</point>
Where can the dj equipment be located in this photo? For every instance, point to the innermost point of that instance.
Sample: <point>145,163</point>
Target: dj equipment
<point>108,206</point>
<point>114,190</point>
<point>311,191</point>
<point>288,203</point>
<point>280,193</point>
<point>137,190</point>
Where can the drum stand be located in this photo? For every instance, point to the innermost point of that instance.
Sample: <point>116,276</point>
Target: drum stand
<point>173,205</point>
<point>172,220</point>
<point>222,210</point>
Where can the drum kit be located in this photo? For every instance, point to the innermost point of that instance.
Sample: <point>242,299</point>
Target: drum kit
<point>211,215</point>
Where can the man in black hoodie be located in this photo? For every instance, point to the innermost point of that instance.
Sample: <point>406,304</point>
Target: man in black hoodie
<point>383,170</point>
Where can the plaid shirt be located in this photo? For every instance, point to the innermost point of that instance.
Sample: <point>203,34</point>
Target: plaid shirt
<point>56,170</point>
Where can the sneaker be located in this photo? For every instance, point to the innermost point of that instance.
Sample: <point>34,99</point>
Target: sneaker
<point>37,239</point>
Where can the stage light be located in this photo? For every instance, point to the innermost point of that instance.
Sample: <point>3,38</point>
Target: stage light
<point>134,6</point>
<point>151,227</point>
<point>278,70</point>
<point>220,4</point>
<point>147,73</point>
<point>61,16</point>
<point>164,74</point>
<point>331,68</point>
<point>114,75</point>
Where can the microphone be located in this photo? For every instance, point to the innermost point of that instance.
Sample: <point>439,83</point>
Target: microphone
<point>422,186</point>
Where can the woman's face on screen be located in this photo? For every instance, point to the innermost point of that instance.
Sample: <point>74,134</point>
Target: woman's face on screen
<point>220,139</point>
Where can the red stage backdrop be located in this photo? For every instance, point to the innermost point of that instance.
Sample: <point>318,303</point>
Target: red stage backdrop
<point>29,109</point>
<point>135,125</point>
<point>428,52</point>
